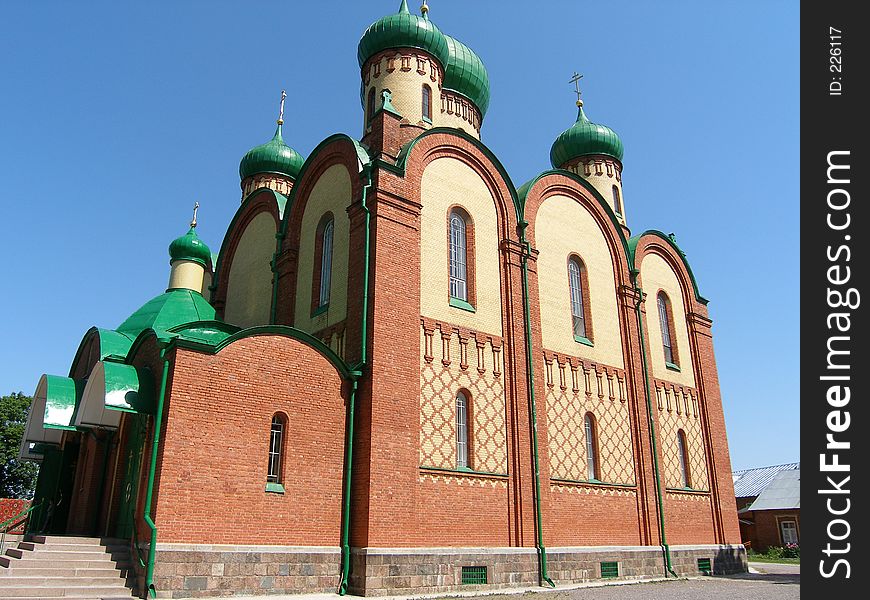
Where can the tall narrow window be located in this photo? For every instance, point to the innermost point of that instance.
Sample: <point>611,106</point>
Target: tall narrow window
<point>326,262</point>
<point>575,285</point>
<point>461,431</point>
<point>682,450</point>
<point>370,105</point>
<point>276,437</point>
<point>617,201</point>
<point>458,257</point>
<point>427,103</point>
<point>591,448</point>
<point>666,320</point>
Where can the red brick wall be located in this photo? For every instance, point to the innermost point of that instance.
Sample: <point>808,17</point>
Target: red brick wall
<point>580,519</point>
<point>766,532</point>
<point>463,510</point>
<point>688,521</point>
<point>215,445</point>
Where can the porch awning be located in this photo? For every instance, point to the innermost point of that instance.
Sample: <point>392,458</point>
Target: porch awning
<point>113,389</point>
<point>54,404</point>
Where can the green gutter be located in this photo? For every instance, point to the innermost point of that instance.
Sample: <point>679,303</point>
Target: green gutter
<point>542,551</point>
<point>652,434</point>
<point>158,423</point>
<point>351,409</point>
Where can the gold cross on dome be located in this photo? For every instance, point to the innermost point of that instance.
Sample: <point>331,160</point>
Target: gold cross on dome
<point>576,81</point>
<point>281,108</point>
<point>195,208</point>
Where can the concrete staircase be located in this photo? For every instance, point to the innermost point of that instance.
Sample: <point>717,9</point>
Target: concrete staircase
<point>54,566</point>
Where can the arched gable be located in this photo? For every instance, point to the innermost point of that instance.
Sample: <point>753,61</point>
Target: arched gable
<point>655,241</point>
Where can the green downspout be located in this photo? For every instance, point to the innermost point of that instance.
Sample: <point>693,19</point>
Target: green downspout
<point>158,423</point>
<point>542,551</point>
<point>652,434</point>
<point>356,374</point>
<point>279,237</point>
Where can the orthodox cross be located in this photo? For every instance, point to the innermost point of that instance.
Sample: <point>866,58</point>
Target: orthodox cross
<point>195,208</point>
<point>281,109</point>
<point>576,81</point>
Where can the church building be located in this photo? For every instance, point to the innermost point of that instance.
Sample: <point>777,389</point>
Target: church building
<point>401,373</point>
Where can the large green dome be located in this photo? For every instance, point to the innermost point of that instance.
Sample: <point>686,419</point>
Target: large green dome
<point>584,138</point>
<point>272,157</point>
<point>403,30</point>
<point>466,74</point>
<point>190,247</point>
<point>169,309</point>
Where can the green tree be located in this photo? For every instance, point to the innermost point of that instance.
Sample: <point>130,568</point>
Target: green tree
<point>17,477</point>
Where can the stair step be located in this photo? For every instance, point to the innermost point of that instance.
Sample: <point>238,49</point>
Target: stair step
<point>21,570</point>
<point>47,554</point>
<point>122,563</point>
<point>67,591</point>
<point>16,580</point>
<point>71,547</point>
<point>72,539</point>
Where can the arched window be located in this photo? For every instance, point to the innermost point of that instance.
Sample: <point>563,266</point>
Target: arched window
<point>322,277</point>
<point>592,472</point>
<point>578,287</point>
<point>666,319</point>
<point>370,105</point>
<point>682,451</point>
<point>276,441</point>
<point>462,444</point>
<point>617,201</point>
<point>427,103</point>
<point>458,257</point>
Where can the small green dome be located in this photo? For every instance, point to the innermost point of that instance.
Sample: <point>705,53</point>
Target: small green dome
<point>190,247</point>
<point>169,309</point>
<point>403,30</point>
<point>584,138</point>
<point>272,157</point>
<point>466,74</point>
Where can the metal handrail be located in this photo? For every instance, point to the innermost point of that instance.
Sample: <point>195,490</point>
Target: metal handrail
<point>13,522</point>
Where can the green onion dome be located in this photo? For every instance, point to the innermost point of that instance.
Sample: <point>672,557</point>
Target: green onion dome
<point>190,247</point>
<point>583,138</point>
<point>466,74</point>
<point>403,30</point>
<point>272,157</point>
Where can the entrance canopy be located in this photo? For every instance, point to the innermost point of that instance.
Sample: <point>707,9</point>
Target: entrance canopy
<point>54,404</point>
<point>113,389</point>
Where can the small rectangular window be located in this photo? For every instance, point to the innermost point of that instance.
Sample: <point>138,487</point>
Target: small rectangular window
<point>609,570</point>
<point>789,532</point>
<point>473,575</point>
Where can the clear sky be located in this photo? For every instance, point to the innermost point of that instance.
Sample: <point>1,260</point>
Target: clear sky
<point>115,118</point>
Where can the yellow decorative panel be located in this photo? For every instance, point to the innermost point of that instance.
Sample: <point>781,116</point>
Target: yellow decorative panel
<point>562,228</point>
<point>573,389</point>
<point>449,182</point>
<point>448,364</point>
<point>656,275</point>
<point>249,289</point>
<point>678,409</point>
<point>331,193</point>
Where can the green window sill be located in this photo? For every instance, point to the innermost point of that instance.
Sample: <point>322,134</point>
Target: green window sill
<point>583,340</point>
<point>275,488</point>
<point>672,366</point>
<point>461,304</point>
<point>427,120</point>
<point>320,310</point>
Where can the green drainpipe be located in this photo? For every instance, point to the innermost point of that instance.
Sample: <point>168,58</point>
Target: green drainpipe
<point>542,551</point>
<point>158,423</point>
<point>279,237</point>
<point>652,434</point>
<point>356,374</point>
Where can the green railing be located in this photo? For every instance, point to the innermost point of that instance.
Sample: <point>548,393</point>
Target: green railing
<point>14,522</point>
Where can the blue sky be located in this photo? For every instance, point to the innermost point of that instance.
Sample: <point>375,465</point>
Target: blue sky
<point>116,118</point>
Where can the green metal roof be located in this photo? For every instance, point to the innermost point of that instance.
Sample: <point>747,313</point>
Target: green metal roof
<point>190,247</point>
<point>403,30</point>
<point>62,395</point>
<point>274,156</point>
<point>170,309</point>
<point>466,74</point>
<point>584,138</point>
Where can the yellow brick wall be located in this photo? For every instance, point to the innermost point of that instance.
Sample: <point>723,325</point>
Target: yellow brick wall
<point>678,409</point>
<point>446,366</point>
<point>331,193</point>
<point>249,288</point>
<point>603,174</point>
<point>447,182</point>
<point>656,274</point>
<point>186,274</point>
<point>563,227</point>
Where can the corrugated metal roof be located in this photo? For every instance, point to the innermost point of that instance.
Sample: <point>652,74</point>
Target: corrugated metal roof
<point>783,492</point>
<point>751,482</point>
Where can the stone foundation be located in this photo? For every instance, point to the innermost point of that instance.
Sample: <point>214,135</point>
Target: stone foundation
<point>198,570</point>
<point>193,570</point>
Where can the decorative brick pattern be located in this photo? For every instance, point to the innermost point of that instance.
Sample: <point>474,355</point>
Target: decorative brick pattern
<point>453,360</point>
<point>575,387</point>
<point>678,409</point>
